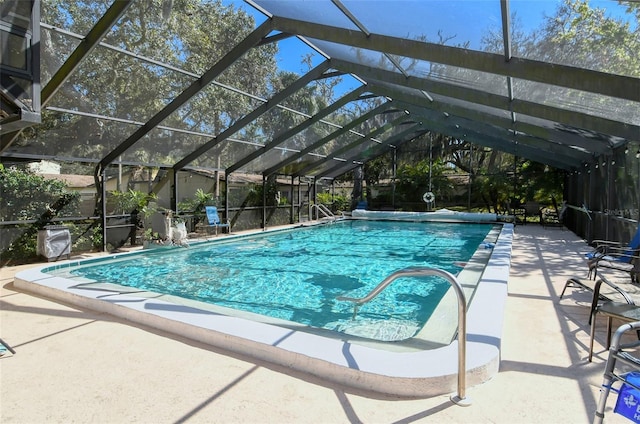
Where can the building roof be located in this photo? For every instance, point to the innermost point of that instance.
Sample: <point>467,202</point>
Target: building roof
<point>72,181</point>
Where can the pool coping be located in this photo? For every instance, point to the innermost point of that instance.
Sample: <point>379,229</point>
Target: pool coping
<point>400,374</point>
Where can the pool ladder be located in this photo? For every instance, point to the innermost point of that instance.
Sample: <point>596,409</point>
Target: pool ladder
<point>321,209</point>
<point>458,398</point>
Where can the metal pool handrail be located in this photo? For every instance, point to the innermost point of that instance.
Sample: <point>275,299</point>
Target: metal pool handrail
<point>458,398</point>
<point>321,208</point>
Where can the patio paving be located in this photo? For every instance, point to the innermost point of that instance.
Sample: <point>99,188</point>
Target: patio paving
<point>75,365</point>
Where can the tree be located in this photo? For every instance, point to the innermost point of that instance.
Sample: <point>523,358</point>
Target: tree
<point>29,197</point>
<point>589,38</point>
<point>189,36</point>
<point>576,34</point>
<point>412,181</point>
<point>375,170</point>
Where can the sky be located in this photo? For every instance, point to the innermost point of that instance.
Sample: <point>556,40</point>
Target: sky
<point>457,21</point>
<point>451,19</point>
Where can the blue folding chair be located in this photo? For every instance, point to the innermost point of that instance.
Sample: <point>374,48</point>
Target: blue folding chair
<point>615,256</point>
<point>214,219</point>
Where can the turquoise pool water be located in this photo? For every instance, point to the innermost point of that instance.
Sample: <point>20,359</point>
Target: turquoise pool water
<point>296,275</point>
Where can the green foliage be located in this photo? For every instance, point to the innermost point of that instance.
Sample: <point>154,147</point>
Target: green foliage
<point>375,170</point>
<point>340,203</point>
<point>412,181</point>
<point>325,198</point>
<point>130,201</point>
<point>335,202</point>
<point>539,183</point>
<point>28,196</point>
<point>97,237</point>
<point>194,206</point>
<point>255,197</point>
<point>492,190</point>
<point>85,238</point>
<point>595,40</point>
<point>282,201</point>
<point>251,195</point>
<point>270,192</point>
<point>199,201</point>
<point>19,250</point>
<point>192,35</point>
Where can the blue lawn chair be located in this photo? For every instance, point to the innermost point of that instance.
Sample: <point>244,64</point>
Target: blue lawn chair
<point>214,219</point>
<point>616,256</point>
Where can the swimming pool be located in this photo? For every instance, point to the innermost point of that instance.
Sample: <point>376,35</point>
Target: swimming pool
<point>296,275</point>
<point>412,367</point>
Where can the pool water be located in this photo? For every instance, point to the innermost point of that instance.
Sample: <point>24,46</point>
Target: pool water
<point>296,275</point>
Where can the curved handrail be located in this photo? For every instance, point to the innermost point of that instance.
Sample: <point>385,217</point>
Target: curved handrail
<point>322,208</point>
<point>459,398</point>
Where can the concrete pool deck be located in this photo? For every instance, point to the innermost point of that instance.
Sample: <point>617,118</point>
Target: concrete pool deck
<point>75,365</point>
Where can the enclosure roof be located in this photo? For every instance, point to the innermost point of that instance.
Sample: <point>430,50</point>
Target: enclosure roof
<point>479,96</point>
<point>455,68</point>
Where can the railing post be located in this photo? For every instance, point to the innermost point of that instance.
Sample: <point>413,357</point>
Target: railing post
<point>458,398</point>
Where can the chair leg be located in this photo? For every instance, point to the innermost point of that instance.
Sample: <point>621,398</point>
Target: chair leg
<point>594,307</point>
<point>573,282</point>
<point>608,332</point>
<point>593,333</point>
